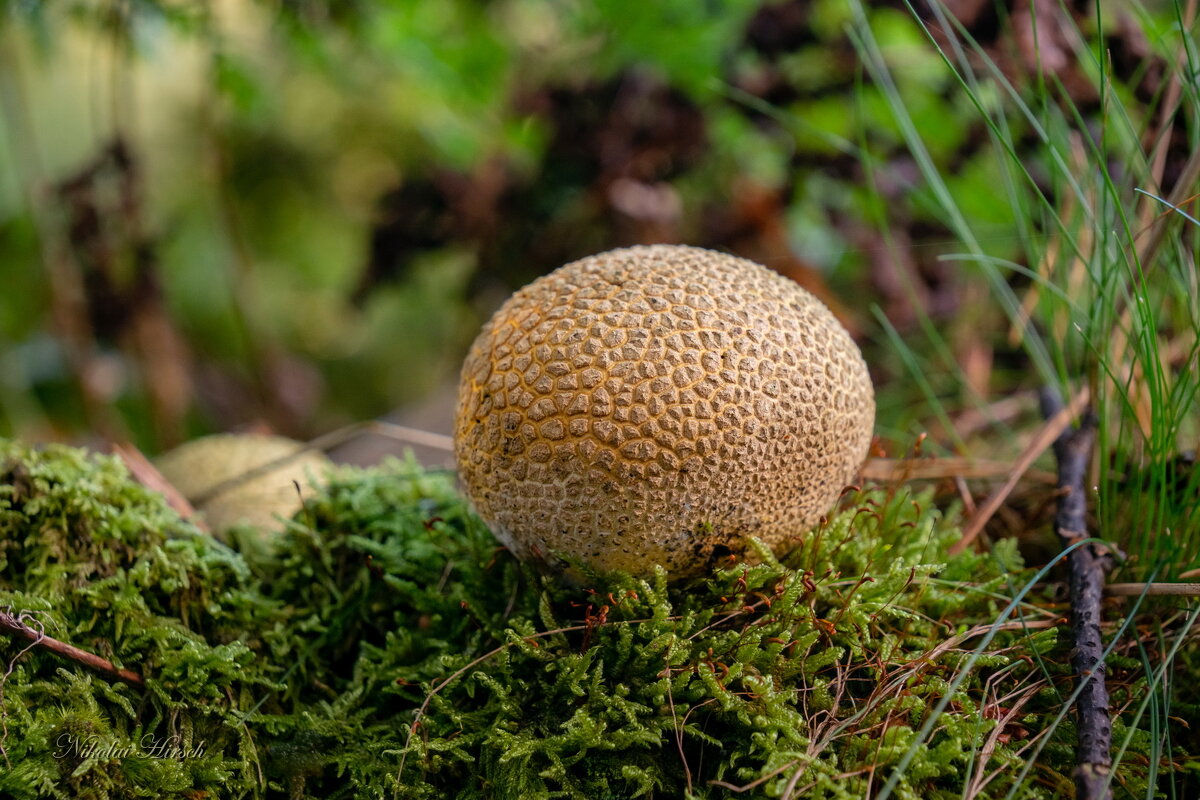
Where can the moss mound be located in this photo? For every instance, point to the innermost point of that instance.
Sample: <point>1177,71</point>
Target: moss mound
<point>385,646</point>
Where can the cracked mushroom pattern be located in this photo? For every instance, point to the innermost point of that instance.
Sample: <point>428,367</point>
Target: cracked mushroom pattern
<point>659,405</point>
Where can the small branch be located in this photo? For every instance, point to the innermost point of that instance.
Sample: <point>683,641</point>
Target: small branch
<point>11,623</point>
<point>1088,566</point>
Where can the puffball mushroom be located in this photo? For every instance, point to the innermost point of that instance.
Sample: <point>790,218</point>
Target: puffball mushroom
<point>659,405</point>
<point>199,467</point>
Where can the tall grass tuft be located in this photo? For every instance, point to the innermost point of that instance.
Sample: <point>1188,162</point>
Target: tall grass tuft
<point>1093,276</point>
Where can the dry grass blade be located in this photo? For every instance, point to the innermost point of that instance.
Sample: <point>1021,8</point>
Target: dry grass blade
<point>971,421</point>
<point>1160,589</point>
<point>833,728</point>
<point>979,630</point>
<point>899,470</point>
<point>328,440</point>
<point>1006,717</point>
<point>402,433</point>
<point>1045,437</point>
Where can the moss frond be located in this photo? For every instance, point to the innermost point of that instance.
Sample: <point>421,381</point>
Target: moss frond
<point>384,645</point>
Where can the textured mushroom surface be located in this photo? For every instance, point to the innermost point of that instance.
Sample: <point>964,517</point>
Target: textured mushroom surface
<point>659,405</point>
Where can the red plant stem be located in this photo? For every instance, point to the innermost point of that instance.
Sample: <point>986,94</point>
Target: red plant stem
<point>10,624</point>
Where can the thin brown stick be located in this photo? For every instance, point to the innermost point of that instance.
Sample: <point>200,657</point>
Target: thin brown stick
<point>964,492</point>
<point>148,475</point>
<point>1088,566</point>
<point>1043,440</point>
<point>403,433</point>
<point>12,624</point>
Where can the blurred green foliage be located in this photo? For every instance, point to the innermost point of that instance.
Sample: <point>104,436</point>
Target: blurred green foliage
<point>263,138</point>
<point>263,141</point>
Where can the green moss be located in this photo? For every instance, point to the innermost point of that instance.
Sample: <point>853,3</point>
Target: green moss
<point>386,646</point>
<point>101,563</point>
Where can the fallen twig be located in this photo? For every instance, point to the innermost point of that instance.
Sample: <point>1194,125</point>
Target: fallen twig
<point>13,624</point>
<point>148,475</point>
<point>1087,566</point>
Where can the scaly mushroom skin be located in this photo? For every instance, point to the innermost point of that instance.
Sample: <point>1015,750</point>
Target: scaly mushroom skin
<point>659,405</point>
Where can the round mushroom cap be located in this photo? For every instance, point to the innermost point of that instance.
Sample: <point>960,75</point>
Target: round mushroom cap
<point>659,405</point>
<point>198,467</point>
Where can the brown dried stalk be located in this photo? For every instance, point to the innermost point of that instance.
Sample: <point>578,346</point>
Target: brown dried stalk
<point>13,623</point>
